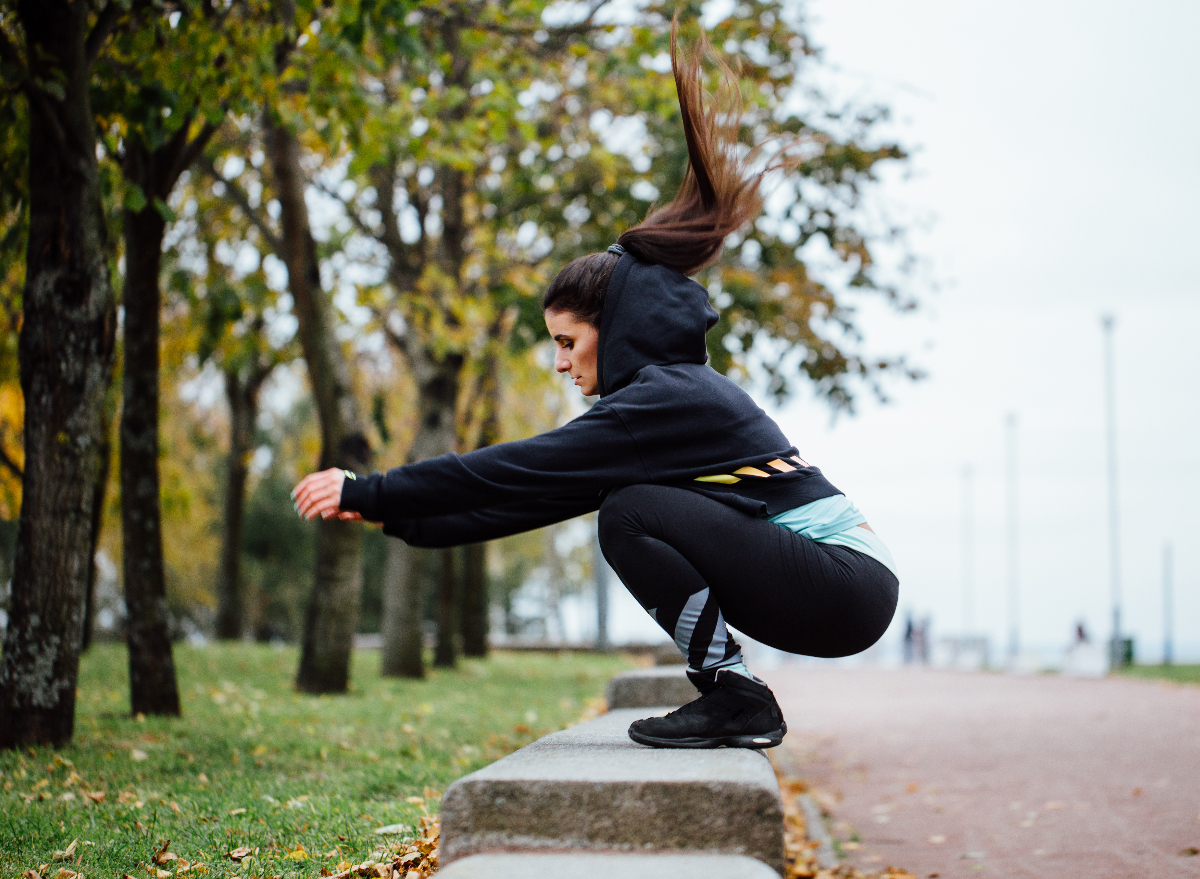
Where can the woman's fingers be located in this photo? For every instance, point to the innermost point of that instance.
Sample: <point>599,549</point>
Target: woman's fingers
<point>319,494</point>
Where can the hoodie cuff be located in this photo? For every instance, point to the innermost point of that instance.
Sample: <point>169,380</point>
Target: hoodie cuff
<point>360,494</point>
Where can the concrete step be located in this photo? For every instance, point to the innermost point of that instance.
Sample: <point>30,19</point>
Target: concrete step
<point>585,865</point>
<point>590,788</point>
<point>651,687</point>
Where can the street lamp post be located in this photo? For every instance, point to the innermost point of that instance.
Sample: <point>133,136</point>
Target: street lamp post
<point>1108,322</point>
<point>968,551</point>
<point>1014,630</point>
<point>1168,608</point>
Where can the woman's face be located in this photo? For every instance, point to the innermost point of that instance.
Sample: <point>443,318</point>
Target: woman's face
<point>577,342</point>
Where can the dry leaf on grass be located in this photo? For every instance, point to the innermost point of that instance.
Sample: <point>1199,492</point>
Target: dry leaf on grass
<point>67,853</point>
<point>240,853</point>
<point>162,856</point>
<point>31,874</point>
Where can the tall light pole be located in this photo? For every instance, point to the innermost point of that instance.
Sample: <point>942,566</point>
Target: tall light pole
<point>1168,608</point>
<point>600,568</point>
<point>1108,321</point>
<point>1014,630</point>
<point>968,551</point>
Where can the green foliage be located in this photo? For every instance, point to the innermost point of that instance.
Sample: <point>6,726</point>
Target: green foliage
<point>277,552</point>
<point>315,776</point>
<point>1179,674</point>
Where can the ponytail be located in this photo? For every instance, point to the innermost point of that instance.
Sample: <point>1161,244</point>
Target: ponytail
<point>717,198</point>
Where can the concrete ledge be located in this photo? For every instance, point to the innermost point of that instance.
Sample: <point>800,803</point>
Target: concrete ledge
<point>582,865</point>
<point>651,687</point>
<point>592,789</point>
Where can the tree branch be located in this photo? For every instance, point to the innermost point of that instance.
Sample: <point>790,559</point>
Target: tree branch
<point>10,464</point>
<point>9,52</point>
<point>351,213</point>
<point>243,201</point>
<point>106,23</point>
<point>191,152</point>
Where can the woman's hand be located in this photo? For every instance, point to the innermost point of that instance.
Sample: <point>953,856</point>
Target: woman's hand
<point>320,494</point>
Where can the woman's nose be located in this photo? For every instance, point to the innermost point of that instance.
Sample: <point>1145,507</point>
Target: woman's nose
<point>562,364</point>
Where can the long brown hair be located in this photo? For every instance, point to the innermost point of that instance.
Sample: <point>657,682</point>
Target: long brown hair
<point>717,198</point>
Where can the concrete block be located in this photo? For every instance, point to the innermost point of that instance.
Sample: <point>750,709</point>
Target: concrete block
<point>590,788</point>
<point>585,865</point>
<point>651,688</point>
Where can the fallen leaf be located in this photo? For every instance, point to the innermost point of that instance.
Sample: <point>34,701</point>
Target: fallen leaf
<point>139,755</point>
<point>95,796</point>
<point>240,852</point>
<point>174,806</point>
<point>34,874</point>
<point>67,853</point>
<point>64,873</point>
<point>1190,851</point>
<point>522,729</point>
<point>162,855</point>
<point>241,811</point>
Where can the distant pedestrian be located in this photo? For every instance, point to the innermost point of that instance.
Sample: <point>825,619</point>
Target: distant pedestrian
<point>708,513</point>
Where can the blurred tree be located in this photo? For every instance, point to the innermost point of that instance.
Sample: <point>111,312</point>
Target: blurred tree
<point>333,608</point>
<point>167,85</point>
<point>229,315</point>
<point>65,355</point>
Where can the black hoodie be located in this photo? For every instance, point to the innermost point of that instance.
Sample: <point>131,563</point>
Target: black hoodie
<point>664,417</point>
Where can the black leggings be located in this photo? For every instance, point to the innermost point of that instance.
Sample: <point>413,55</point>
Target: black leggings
<point>694,563</point>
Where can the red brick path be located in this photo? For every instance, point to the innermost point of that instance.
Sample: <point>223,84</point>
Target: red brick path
<point>970,775</point>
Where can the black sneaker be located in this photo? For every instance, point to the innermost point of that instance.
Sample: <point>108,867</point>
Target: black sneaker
<point>733,712</point>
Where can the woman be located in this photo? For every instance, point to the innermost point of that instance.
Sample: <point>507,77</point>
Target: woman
<point>706,512</point>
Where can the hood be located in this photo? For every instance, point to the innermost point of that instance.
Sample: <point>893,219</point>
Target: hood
<point>653,316</point>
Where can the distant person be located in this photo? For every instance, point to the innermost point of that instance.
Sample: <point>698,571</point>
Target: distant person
<point>1081,636</point>
<point>910,634</point>
<point>708,513</point>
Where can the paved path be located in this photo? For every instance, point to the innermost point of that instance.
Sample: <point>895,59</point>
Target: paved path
<point>966,775</point>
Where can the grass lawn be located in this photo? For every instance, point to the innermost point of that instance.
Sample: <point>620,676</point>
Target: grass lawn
<point>304,779</point>
<point>1180,674</point>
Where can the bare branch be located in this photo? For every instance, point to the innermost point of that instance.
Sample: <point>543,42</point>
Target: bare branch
<point>351,211</point>
<point>10,464</point>
<point>242,200</point>
<point>9,52</point>
<point>106,23</point>
<point>191,152</point>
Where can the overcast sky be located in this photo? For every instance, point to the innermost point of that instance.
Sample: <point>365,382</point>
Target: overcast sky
<point>1055,149</point>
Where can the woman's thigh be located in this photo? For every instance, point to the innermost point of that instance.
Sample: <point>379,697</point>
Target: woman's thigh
<point>779,588</point>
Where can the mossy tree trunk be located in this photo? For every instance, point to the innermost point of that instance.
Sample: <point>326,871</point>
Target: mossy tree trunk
<point>65,354</point>
<point>332,613</point>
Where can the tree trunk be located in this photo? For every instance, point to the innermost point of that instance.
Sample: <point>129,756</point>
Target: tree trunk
<point>437,398</point>
<point>402,613</point>
<point>333,606</point>
<point>242,394</point>
<point>445,654</point>
<point>65,354</point>
<point>102,474</point>
<point>475,600</point>
<point>475,591</point>
<point>152,685</point>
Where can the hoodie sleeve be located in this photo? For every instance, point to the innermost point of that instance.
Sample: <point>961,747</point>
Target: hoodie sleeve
<point>583,457</point>
<point>480,525</point>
